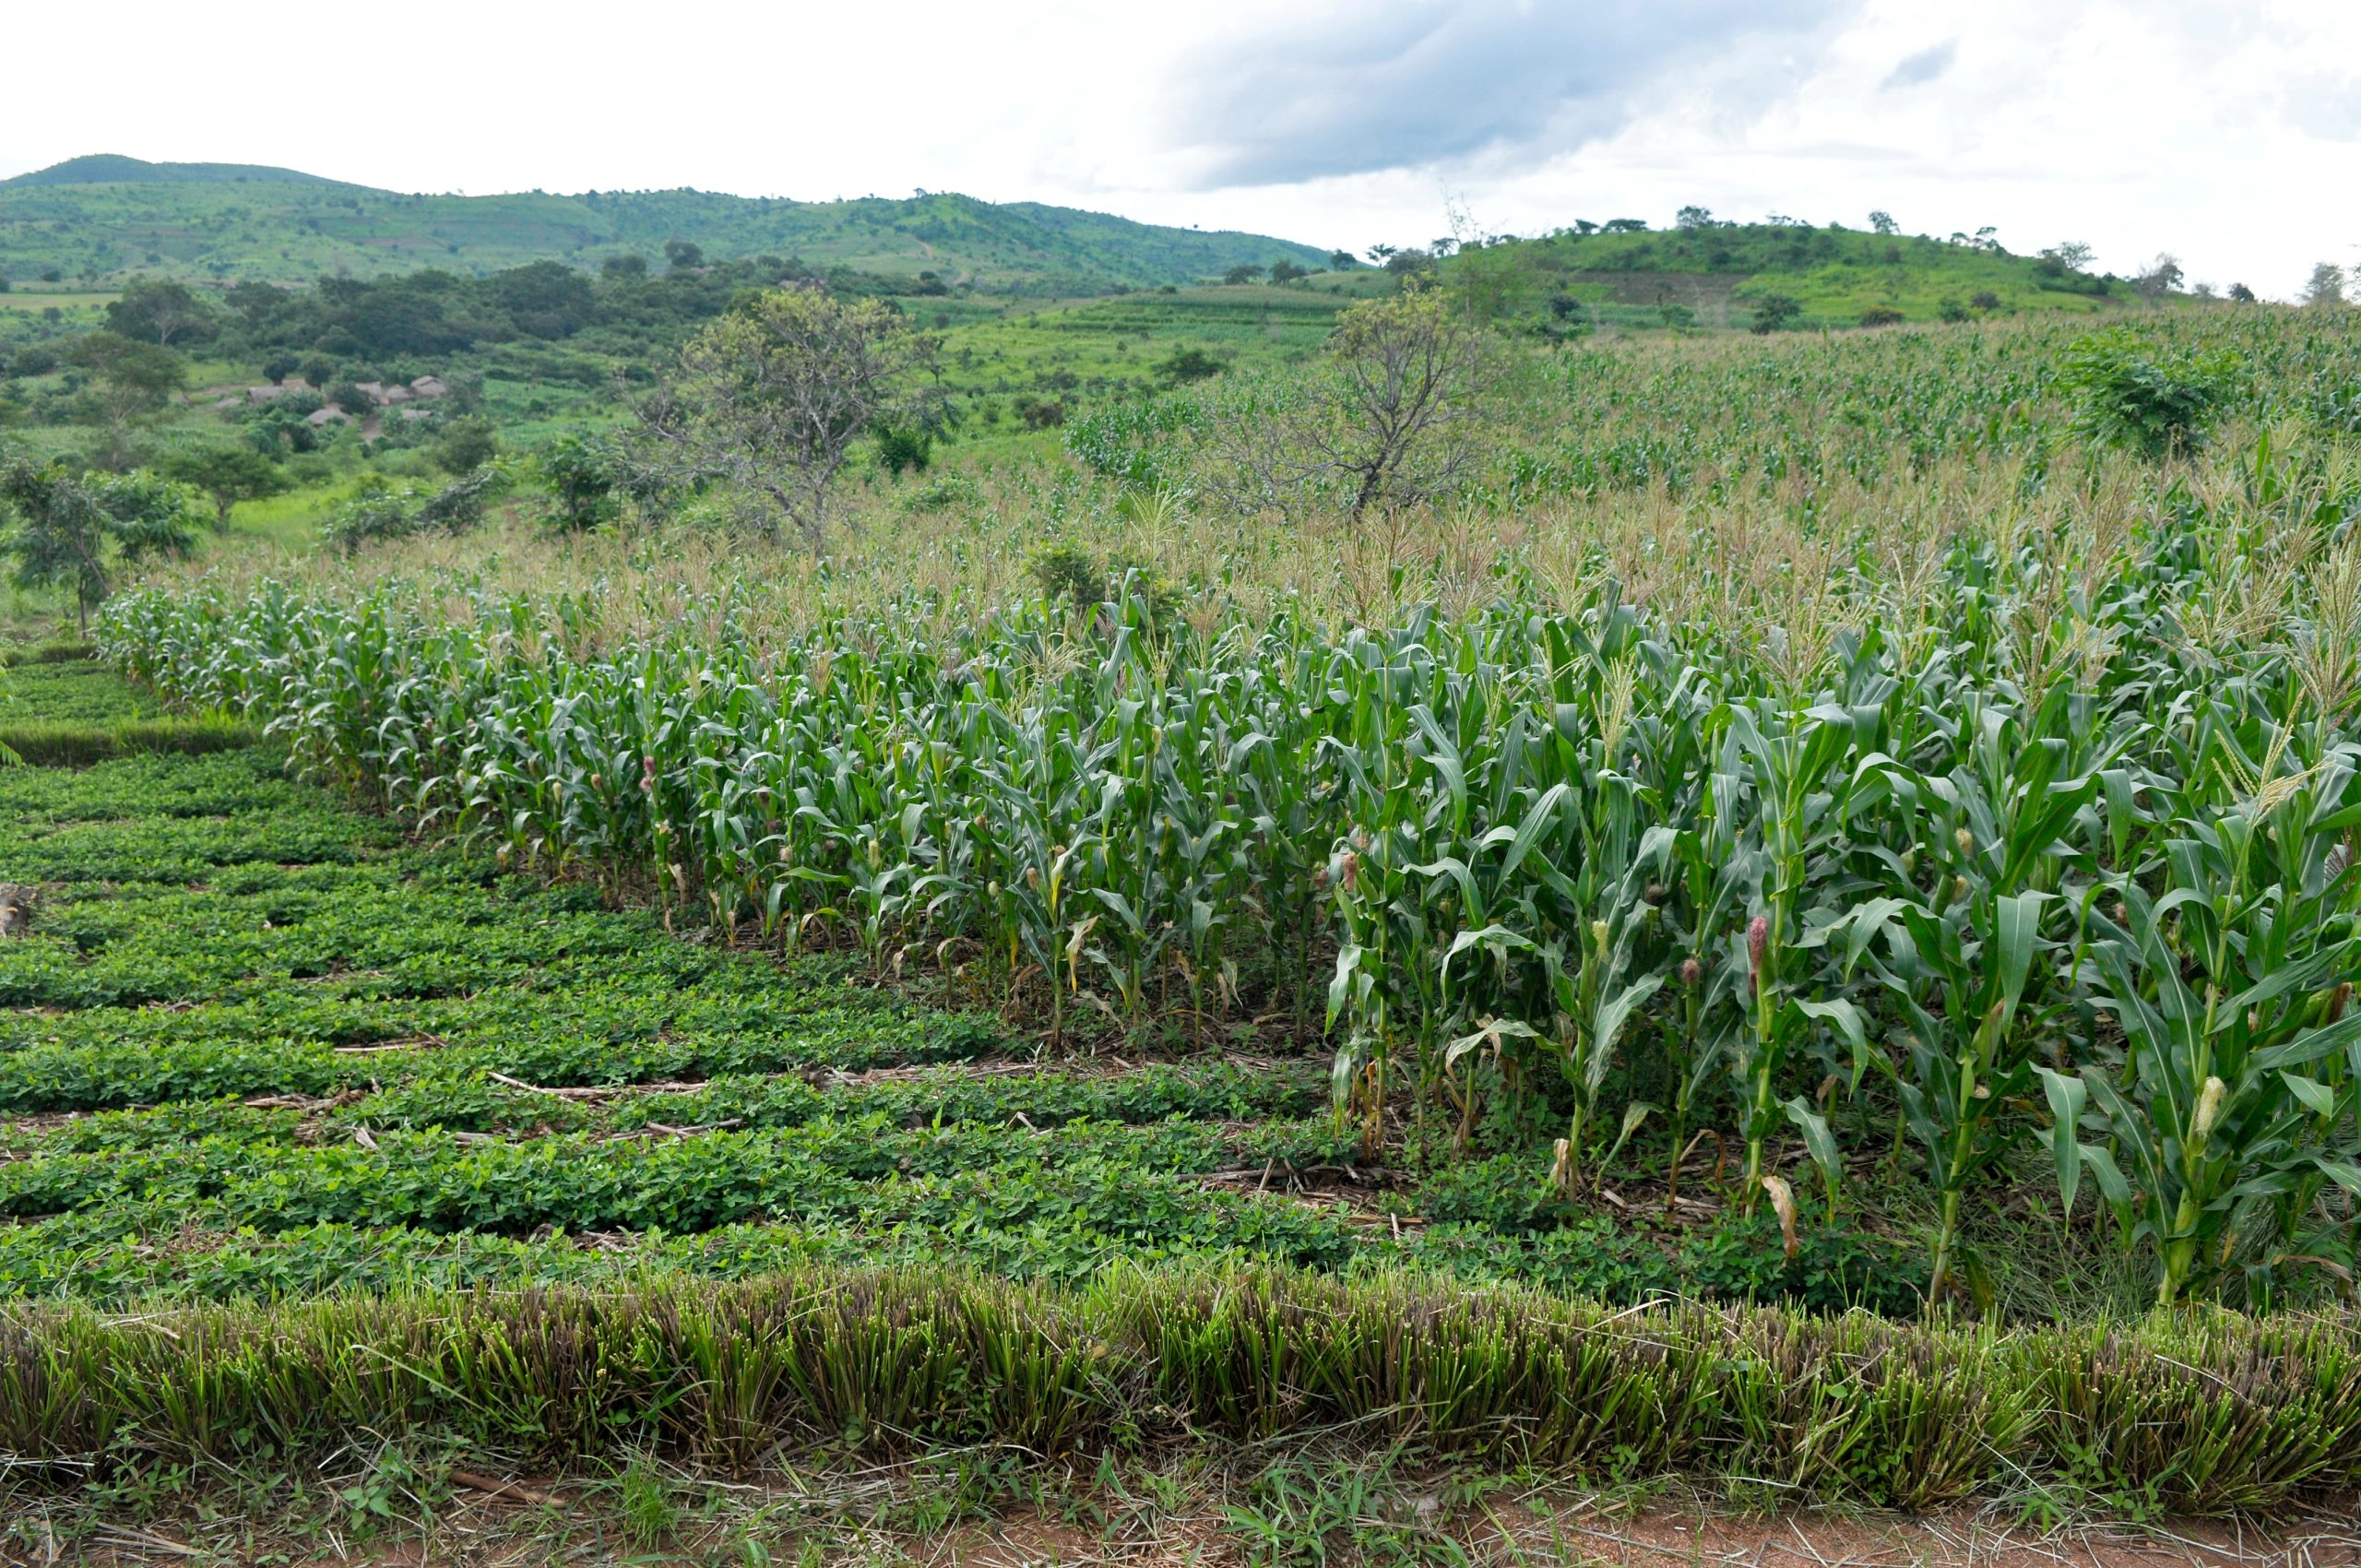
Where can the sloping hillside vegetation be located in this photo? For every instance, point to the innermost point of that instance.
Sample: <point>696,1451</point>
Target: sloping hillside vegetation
<point>106,217</point>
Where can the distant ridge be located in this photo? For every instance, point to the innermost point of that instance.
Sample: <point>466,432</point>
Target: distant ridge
<point>114,168</point>
<point>109,217</point>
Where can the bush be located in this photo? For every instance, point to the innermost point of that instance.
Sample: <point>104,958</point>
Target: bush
<point>379,513</point>
<point>1774,311</point>
<point>1068,572</point>
<point>466,445</point>
<point>1882,315</point>
<point>900,450</point>
<point>1955,312</point>
<point>944,494</point>
<point>581,475</point>
<point>1184,365</point>
<point>1041,413</point>
<point>2145,397</point>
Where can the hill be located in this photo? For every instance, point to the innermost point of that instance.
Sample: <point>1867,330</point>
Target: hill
<point>114,168</point>
<point>106,217</point>
<point>1714,274</point>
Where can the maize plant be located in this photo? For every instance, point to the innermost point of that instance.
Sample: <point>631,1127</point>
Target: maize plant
<point>2232,987</point>
<point>2040,828</point>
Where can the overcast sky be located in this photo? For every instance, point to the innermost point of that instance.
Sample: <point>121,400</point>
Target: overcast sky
<point>2227,132</point>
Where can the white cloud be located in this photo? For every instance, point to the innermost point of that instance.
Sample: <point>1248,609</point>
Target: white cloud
<point>2227,131</point>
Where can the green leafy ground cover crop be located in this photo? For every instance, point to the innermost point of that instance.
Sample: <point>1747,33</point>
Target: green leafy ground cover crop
<point>257,1044</point>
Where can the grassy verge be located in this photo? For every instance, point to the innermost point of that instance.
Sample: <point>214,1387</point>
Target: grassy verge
<point>53,744</point>
<point>2206,1413</point>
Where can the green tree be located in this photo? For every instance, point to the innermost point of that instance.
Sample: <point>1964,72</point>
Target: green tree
<point>2162,276</point>
<point>1286,272</point>
<point>1184,365</point>
<point>1244,272</point>
<point>2326,286</point>
<point>130,382</point>
<point>162,311</point>
<point>1774,311</point>
<point>1881,222</point>
<point>770,400</point>
<point>70,530</point>
<point>227,474</point>
<point>684,256</point>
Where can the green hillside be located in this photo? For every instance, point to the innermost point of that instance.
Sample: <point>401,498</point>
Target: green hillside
<point>1719,275</point>
<point>106,217</point>
<point>104,168</point>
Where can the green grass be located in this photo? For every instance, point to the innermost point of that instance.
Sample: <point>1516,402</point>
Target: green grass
<point>1092,352</point>
<point>913,1363</point>
<point>79,745</point>
<point>23,299</point>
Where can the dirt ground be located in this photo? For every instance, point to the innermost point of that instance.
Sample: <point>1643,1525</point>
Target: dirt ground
<point>517,1525</point>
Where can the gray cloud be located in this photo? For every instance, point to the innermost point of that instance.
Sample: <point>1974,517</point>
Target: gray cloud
<point>1395,84</point>
<point>1922,67</point>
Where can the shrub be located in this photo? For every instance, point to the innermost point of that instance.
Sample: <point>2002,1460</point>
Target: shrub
<point>1188,364</point>
<point>581,475</point>
<point>1882,315</point>
<point>2145,397</point>
<point>899,448</point>
<point>466,445</point>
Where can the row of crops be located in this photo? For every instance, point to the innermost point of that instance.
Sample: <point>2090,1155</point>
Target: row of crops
<point>2044,846</point>
<point>257,1046</point>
